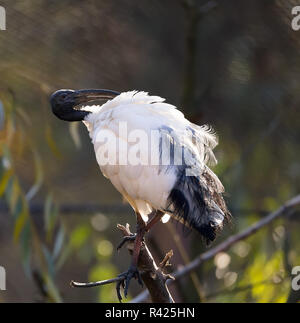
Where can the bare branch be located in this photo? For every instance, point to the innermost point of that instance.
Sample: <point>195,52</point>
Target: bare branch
<point>165,263</point>
<point>225,245</point>
<point>95,284</point>
<point>153,276</point>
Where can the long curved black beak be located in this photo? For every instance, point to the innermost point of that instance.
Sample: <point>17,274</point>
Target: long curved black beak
<point>88,95</point>
<point>65,103</point>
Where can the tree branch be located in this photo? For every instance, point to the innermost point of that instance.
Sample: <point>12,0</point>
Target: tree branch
<point>225,245</point>
<point>152,275</point>
<point>95,284</point>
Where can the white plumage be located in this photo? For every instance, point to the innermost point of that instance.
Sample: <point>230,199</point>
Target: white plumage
<point>147,187</point>
<point>155,158</point>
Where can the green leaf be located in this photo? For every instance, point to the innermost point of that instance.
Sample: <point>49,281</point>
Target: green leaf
<point>20,222</point>
<point>50,216</point>
<point>25,242</point>
<point>50,262</point>
<point>38,177</point>
<point>53,292</point>
<point>14,195</point>
<point>51,143</point>
<point>9,189</point>
<point>2,116</point>
<point>65,253</point>
<point>4,181</point>
<point>59,241</point>
<point>18,208</point>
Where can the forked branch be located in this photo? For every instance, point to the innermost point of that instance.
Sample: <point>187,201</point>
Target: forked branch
<point>225,245</point>
<point>152,275</point>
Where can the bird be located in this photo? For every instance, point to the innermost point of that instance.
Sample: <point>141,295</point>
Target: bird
<point>157,159</point>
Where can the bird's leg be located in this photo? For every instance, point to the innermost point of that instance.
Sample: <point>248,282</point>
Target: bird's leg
<point>138,238</point>
<point>156,218</point>
<point>125,239</point>
<point>133,269</point>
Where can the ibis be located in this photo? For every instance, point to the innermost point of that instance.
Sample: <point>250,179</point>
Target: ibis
<point>157,159</point>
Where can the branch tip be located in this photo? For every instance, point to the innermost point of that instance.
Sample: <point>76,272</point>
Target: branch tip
<point>166,261</point>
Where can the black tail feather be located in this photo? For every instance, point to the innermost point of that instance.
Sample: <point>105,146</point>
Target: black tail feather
<point>197,202</point>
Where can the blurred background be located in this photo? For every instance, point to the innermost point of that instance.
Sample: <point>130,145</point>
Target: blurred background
<point>232,64</point>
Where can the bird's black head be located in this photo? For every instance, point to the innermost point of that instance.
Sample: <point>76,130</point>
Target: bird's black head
<point>65,103</point>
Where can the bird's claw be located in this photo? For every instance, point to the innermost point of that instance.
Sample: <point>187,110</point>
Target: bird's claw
<point>125,239</point>
<point>126,278</point>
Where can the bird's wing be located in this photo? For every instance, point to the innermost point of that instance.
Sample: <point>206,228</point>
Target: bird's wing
<point>168,119</point>
<point>143,111</point>
<point>195,198</point>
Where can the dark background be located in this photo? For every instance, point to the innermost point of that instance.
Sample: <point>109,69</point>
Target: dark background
<point>232,64</point>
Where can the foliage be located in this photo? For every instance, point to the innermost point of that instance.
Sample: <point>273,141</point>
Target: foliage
<point>234,67</point>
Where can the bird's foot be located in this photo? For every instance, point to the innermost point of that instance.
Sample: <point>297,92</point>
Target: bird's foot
<point>125,239</point>
<point>132,272</point>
